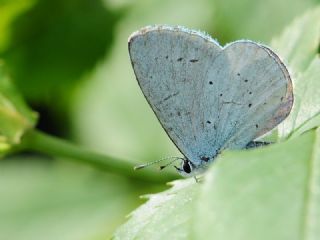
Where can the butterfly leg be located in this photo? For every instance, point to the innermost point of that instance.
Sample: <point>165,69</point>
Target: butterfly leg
<point>255,144</point>
<point>178,169</point>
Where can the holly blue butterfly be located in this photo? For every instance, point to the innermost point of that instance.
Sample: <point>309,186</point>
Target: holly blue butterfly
<point>207,97</point>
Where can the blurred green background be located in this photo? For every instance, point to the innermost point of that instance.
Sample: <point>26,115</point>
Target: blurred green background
<point>69,59</point>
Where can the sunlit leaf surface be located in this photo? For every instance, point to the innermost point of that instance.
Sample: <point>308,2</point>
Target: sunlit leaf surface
<point>299,46</point>
<point>42,199</point>
<point>166,215</point>
<point>270,193</point>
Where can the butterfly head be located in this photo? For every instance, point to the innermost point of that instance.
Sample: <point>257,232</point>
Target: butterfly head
<point>186,169</point>
<point>189,169</point>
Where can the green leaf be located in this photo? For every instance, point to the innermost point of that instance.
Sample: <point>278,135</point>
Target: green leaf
<point>53,44</point>
<point>248,18</point>
<point>266,193</point>
<point>166,215</point>
<point>269,193</point>
<point>298,46</point>
<point>15,115</point>
<point>9,10</point>
<point>311,123</point>
<point>306,101</point>
<point>52,200</point>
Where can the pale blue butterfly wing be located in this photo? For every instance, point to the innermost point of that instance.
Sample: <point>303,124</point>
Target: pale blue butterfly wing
<point>257,94</point>
<point>206,97</point>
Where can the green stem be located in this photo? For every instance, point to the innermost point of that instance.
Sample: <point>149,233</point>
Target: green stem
<point>54,146</point>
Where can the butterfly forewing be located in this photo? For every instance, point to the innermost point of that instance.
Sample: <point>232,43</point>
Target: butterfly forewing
<point>170,66</point>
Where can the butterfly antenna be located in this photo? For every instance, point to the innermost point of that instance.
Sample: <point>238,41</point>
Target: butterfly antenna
<point>168,164</point>
<point>157,161</point>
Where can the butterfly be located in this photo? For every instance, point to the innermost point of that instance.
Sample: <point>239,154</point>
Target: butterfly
<point>209,98</point>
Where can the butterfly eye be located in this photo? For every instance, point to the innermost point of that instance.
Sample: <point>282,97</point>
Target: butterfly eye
<point>186,166</point>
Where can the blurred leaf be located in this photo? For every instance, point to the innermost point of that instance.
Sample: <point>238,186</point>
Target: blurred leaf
<point>118,4</point>
<point>269,193</point>
<point>257,20</point>
<point>15,115</point>
<point>51,47</point>
<point>55,42</point>
<point>110,113</point>
<point>51,200</point>
<point>9,10</point>
<point>299,46</point>
<point>166,215</point>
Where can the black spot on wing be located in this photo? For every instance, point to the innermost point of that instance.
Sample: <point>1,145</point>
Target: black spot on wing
<point>204,158</point>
